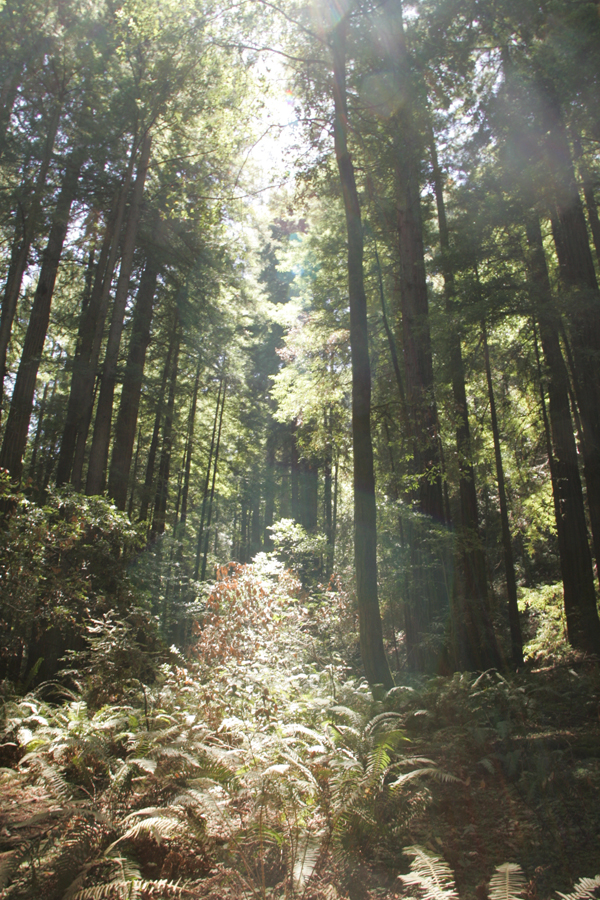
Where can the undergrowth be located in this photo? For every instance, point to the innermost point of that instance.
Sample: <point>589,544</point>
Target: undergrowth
<point>260,766</point>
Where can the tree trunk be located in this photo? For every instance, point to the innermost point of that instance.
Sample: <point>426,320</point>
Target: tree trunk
<point>269,490</point>
<point>127,416</point>
<point>89,339</point>
<point>101,439</point>
<point>509,566</point>
<point>588,195</point>
<point>427,603</point>
<point>207,482</point>
<point>583,625</point>
<point>134,474</point>
<point>151,461</point>
<point>162,487</point>
<point>365,515</point>
<point>38,431</point>
<point>328,493</point>
<point>17,425</point>
<point>22,247</point>
<point>583,309</point>
<point>190,446</point>
<point>475,641</point>
<point>212,488</point>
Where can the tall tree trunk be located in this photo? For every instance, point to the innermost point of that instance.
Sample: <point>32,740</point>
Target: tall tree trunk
<point>38,430</point>
<point>328,493</point>
<point>129,405</point>
<point>189,449</point>
<point>17,425</point>
<point>134,474</point>
<point>212,488</point>
<point>199,543</point>
<point>269,489</point>
<point>89,340</point>
<point>295,473</point>
<point>509,566</point>
<point>427,603</point>
<point>151,461</point>
<point>22,246</point>
<point>365,515</point>
<point>583,625</point>
<point>162,487</point>
<point>583,309</point>
<point>101,439</point>
<point>8,95</point>
<point>588,194</point>
<point>475,641</point>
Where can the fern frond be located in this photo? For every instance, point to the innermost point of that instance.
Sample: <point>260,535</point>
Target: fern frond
<point>157,826</point>
<point>507,883</point>
<point>52,778</point>
<point>432,771</point>
<point>146,765</point>
<point>124,890</point>
<point>9,863</point>
<point>350,714</point>
<point>307,857</point>
<point>380,719</point>
<point>585,889</point>
<point>430,874</point>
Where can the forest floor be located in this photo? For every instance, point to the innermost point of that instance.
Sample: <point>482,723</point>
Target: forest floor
<point>273,772</point>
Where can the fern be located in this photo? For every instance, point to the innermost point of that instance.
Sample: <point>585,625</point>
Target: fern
<point>307,854</point>
<point>130,890</point>
<point>431,875</point>
<point>9,863</point>
<point>585,889</point>
<point>507,882</point>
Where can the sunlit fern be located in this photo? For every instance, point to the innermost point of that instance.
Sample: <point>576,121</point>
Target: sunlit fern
<point>507,883</point>
<point>585,889</point>
<point>430,874</point>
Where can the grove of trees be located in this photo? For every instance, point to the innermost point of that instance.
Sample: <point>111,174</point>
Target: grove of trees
<point>385,367</point>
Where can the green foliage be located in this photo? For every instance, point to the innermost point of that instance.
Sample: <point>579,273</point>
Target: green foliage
<point>62,566</point>
<point>544,623</point>
<point>298,549</point>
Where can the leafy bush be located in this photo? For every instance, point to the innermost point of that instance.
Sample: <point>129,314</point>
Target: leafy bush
<point>62,565</point>
<point>298,549</point>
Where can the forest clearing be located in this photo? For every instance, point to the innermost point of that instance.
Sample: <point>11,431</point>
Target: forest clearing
<point>299,449</point>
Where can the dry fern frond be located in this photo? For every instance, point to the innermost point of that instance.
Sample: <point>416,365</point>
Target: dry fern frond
<point>430,874</point>
<point>51,777</point>
<point>431,771</point>
<point>585,889</point>
<point>129,890</point>
<point>507,883</point>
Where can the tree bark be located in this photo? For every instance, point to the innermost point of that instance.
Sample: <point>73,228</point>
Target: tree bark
<point>475,641</point>
<point>129,405</point>
<point>22,246</point>
<point>17,425</point>
<point>199,543</point>
<point>162,486</point>
<point>428,602</point>
<point>190,447</point>
<point>509,566</point>
<point>583,625</point>
<point>151,461</point>
<point>365,514</point>
<point>89,339</point>
<point>578,275</point>
<point>588,194</point>
<point>101,439</point>
<point>212,488</point>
